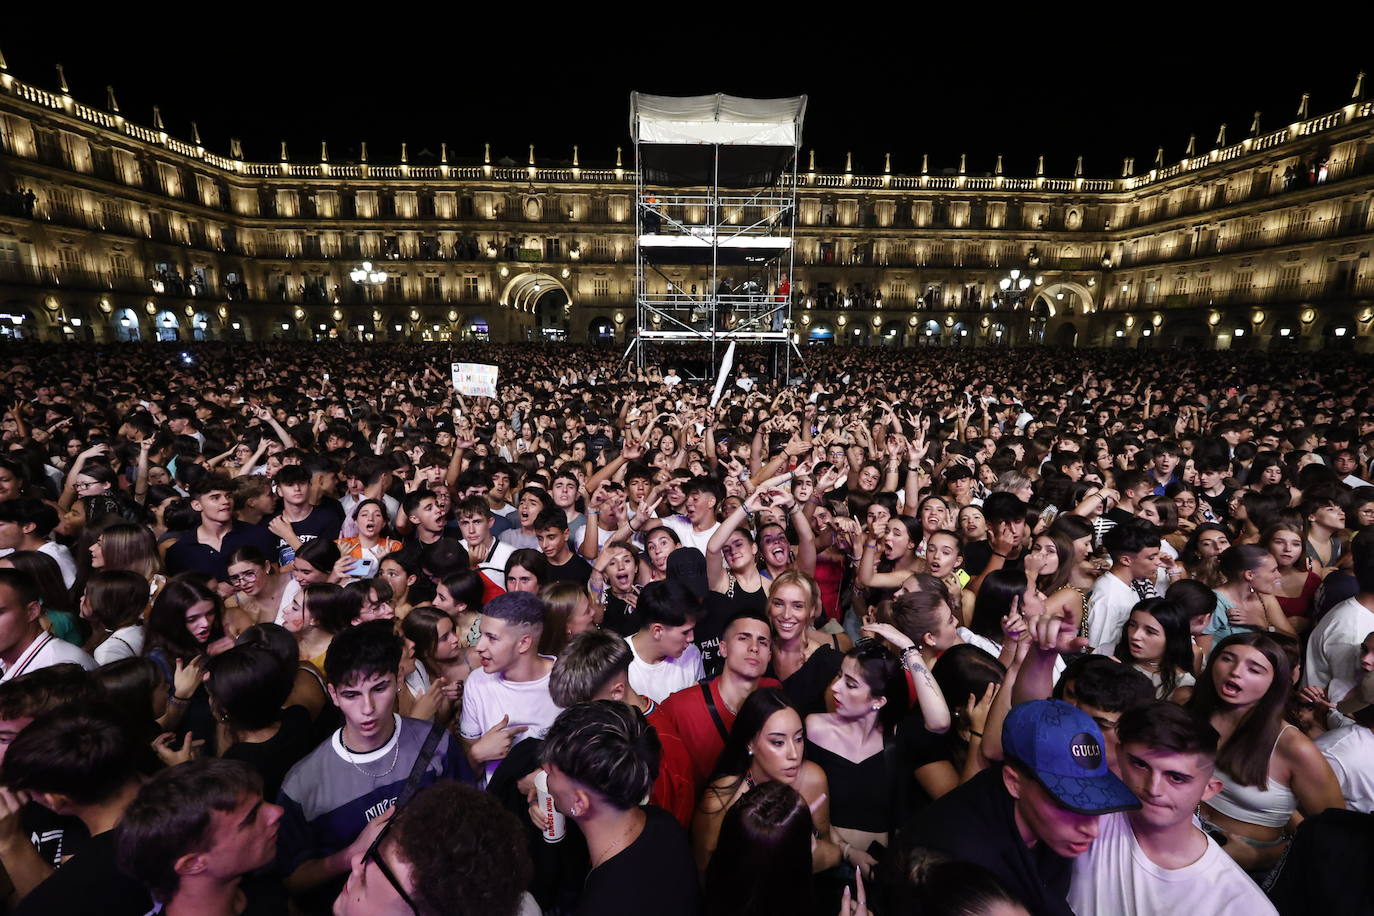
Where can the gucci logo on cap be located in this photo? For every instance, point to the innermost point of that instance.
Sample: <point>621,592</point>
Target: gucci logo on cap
<point>1085,750</point>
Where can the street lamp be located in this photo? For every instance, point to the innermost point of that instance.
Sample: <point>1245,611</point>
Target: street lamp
<point>366,277</point>
<point>1012,290</point>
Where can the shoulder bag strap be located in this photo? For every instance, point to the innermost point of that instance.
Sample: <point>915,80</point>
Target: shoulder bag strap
<point>711,708</point>
<point>417,772</point>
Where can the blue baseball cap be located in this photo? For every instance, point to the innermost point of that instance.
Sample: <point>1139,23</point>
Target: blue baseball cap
<point>1063,747</point>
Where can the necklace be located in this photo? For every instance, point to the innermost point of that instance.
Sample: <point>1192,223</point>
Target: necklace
<point>395,756</point>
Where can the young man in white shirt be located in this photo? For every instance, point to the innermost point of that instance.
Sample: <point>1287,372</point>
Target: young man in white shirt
<point>474,521</point>
<point>24,646</point>
<point>1350,748</point>
<point>698,521</point>
<point>1134,549</point>
<point>1155,859</point>
<point>1333,649</point>
<point>25,525</point>
<point>508,699</point>
<point>665,660</point>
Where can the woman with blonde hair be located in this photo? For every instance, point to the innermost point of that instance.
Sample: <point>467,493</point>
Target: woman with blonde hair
<point>803,658</point>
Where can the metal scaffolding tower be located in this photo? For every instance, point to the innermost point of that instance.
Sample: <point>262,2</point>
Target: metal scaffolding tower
<point>715,207</point>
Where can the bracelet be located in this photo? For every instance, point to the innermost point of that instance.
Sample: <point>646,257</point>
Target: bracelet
<point>910,650</point>
<point>844,851</point>
<point>1004,556</point>
<point>975,734</point>
<point>179,701</point>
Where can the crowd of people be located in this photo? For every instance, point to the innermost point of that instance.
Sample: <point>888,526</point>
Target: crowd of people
<point>299,628</point>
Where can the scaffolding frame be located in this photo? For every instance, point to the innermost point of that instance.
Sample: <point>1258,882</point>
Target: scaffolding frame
<point>743,237</point>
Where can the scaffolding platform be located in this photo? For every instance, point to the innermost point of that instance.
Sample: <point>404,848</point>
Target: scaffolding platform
<point>716,190</point>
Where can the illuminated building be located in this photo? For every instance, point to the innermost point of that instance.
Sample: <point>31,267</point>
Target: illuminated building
<point>1260,239</point>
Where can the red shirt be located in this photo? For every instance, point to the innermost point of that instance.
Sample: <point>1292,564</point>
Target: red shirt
<point>691,745</point>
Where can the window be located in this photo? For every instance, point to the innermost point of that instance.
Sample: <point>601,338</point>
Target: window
<point>899,253</point>
<point>1245,279</point>
<point>393,287</point>
<point>1181,286</point>
<point>112,213</point>
<point>120,266</point>
<point>1252,229</point>
<point>897,290</point>
<point>553,249</point>
<point>470,288</point>
<point>69,259</point>
<point>601,248</point>
<point>601,287</point>
<point>434,288</point>
<point>1289,276</point>
<point>9,252</point>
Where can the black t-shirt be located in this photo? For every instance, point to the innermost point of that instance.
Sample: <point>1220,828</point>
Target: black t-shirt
<point>1330,866</point>
<point>975,823</point>
<point>620,617</point>
<point>917,747</point>
<point>977,555</point>
<point>277,755</point>
<point>1221,503</point>
<point>324,521</point>
<point>89,883</point>
<point>577,569</point>
<point>654,874</point>
<point>807,685</point>
<point>1118,516</point>
<point>55,836</point>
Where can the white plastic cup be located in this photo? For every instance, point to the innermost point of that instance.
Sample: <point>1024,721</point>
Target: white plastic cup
<point>555,824</point>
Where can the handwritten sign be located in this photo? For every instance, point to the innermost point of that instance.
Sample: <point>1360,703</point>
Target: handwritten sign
<point>474,379</point>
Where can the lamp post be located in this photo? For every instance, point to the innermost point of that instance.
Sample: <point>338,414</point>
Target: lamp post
<point>366,279</point>
<point>1012,289</point>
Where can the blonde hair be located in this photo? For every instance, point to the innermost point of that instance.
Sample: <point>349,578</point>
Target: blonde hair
<point>804,582</point>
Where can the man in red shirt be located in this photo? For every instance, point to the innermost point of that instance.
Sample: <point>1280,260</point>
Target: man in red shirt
<point>693,723</point>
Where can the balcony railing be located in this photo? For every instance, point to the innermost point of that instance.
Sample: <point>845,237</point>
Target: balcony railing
<point>1317,291</point>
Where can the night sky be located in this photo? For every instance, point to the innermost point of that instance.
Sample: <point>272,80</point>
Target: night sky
<point>907,89</point>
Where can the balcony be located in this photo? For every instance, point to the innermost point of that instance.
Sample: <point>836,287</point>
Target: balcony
<point>1277,294</point>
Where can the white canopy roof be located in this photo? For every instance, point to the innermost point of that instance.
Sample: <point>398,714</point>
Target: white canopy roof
<point>724,119</point>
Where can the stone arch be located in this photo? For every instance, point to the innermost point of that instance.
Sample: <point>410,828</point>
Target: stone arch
<point>523,291</point>
<point>601,330</point>
<point>1081,301</point>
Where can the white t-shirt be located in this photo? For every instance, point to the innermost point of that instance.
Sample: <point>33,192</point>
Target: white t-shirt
<point>44,652</point>
<point>494,564</point>
<point>61,554</point>
<point>126,642</point>
<point>1109,606</point>
<point>1350,751</point>
<point>488,697</point>
<point>665,677</point>
<point>1115,876</point>
<point>1333,649</point>
<point>689,536</point>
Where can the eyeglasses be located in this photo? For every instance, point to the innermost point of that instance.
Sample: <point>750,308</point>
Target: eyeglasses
<point>249,576</point>
<point>85,486</point>
<point>374,856</point>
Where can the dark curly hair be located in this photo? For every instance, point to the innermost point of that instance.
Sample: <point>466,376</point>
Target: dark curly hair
<point>461,844</point>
